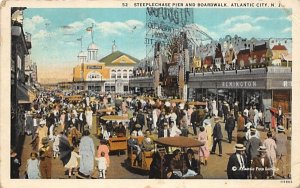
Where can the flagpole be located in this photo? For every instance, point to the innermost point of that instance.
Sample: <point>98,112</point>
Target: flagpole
<point>92,33</point>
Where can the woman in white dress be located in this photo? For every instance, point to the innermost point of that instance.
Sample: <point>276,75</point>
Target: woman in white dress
<point>89,117</point>
<point>33,169</point>
<point>73,163</point>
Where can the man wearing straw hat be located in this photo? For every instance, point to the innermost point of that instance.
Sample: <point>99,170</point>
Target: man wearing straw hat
<point>217,137</point>
<point>252,146</point>
<point>281,142</point>
<point>237,165</point>
<point>261,165</point>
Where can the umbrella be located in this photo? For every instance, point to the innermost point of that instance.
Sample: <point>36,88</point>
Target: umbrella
<point>178,141</point>
<point>106,110</point>
<point>177,101</point>
<point>64,149</point>
<point>197,103</point>
<point>114,118</point>
<point>274,110</point>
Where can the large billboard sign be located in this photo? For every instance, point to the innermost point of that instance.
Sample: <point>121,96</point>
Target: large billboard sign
<point>163,22</point>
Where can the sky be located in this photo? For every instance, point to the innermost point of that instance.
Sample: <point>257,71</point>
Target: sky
<point>55,32</point>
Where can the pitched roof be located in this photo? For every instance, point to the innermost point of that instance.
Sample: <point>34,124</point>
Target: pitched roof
<point>245,51</point>
<point>279,47</point>
<point>115,55</point>
<point>260,47</point>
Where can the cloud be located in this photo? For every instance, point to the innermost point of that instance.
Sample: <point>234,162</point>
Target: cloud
<point>262,18</point>
<point>117,28</point>
<point>31,24</point>
<point>42,34</point>
<point>243,27</point>
<point>234,19</point>
<point>286,30</point>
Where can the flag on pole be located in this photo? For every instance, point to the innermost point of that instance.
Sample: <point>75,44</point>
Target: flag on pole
<point>89,29</point>
<point>79,39</point>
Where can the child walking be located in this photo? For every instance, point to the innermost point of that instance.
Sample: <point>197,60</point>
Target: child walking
<point>73,163</point>
<point>102,165</point>
<point>33,169</point>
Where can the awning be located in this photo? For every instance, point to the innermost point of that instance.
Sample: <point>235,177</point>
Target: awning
<point>24,95</point>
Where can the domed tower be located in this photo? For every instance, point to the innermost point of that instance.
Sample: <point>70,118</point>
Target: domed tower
<point>92,52</point>
<point>82,57</point>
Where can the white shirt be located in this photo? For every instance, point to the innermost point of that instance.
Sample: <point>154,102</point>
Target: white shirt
<point>262,161</point>
<point>175,131</point>
<point>241,160</point>
<point>165,132</point>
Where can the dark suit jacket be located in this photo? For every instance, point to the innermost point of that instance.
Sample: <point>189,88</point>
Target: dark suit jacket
<point>161,133</point>
<point>233,168</point>
<point>261,171</point>
<point>230,124</point>
<point>217,132</point>
<point>193,166</point>
<point>195,117</point>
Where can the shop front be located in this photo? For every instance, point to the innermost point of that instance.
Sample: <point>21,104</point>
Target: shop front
<point>261,88</point>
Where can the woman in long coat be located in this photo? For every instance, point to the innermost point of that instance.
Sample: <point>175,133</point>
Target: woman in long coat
<point>87,153</point>
<point>203,150</point>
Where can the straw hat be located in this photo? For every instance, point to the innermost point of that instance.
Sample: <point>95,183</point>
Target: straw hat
<point>262,149</point>
<point>138,126</point>
<point>280,128</point>
<point>240,147</point>
<point>217,120</point>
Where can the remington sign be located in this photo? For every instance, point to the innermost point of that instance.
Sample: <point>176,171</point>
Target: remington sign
<point>240,84</point>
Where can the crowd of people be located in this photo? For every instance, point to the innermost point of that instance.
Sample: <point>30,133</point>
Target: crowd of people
<point>54,118</point>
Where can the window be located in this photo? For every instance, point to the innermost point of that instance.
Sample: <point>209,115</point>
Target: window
<point>130,73</point>
<point>94,76</point>
<point>113,74</point>
<point>119,74</point>
<point>125,74</point>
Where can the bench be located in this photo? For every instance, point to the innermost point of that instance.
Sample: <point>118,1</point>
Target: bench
<point>117,144</point>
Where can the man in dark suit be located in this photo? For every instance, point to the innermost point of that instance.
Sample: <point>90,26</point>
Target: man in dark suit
<point>132,123</point>
<point>191,162</point>
<point>141,118</point>
<point>165,132</point>
<point>261,165</point>
<point>217,137</point>
<point>229,127</point>
<point>81,120</point>
<point>237,165</point>
<point>252,146</point>
<point>195,119</point>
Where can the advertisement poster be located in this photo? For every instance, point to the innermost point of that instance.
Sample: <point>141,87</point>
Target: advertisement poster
<point>149,93</point>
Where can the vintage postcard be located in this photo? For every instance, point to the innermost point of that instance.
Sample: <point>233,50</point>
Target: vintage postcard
<point>152,93</point>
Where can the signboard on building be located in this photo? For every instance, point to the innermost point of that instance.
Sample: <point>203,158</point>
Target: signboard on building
<point>94,67</point>
<point>162,22</point>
